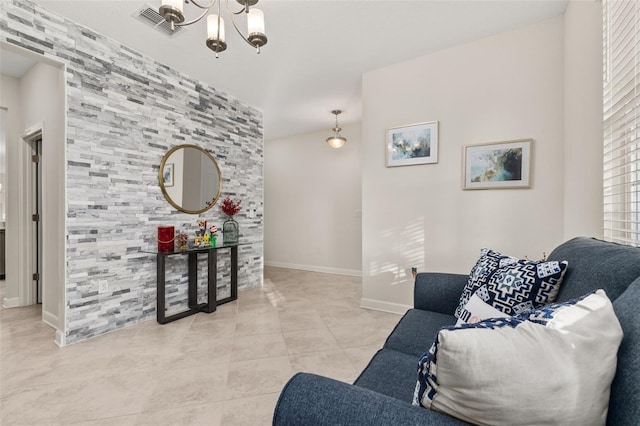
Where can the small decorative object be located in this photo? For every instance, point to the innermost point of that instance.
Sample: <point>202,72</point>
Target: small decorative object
<point>206,239</point>
<point>230,226</point>
<point>182,239</point>
<point>166,238</point>
<point>213,232</point>
<point>200,233</point>
<point>497,165</point>
<point>413,144</point>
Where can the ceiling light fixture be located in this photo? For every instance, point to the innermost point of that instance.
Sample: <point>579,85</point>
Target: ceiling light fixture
<point>173,13</point>
<point>336,141</point>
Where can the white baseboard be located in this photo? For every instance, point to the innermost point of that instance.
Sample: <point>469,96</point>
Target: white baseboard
<point>60,338</point>
<point>379,305</point>
<point>10,302</point>
<point>50,319</point>
<point>313,268</point>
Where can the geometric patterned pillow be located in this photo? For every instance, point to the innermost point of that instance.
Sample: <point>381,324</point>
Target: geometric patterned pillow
<point>487,264</point>
<point>553,365</point>
<point>518,287</point>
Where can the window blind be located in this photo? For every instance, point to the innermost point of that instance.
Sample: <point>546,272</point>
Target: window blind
<point>621,108</point>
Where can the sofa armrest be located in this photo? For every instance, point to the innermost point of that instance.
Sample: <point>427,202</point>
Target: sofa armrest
<point>312,400</point>
<point>438,292</point>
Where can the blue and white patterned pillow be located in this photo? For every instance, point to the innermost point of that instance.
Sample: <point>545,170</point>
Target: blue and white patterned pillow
<point>518,287</point>
<point>552,365</point>
<point>486,265</point>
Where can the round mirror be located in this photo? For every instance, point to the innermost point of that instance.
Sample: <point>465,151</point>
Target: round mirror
<point>190,179</point>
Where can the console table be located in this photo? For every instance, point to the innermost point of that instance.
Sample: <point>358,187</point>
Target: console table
<point>212,268</point>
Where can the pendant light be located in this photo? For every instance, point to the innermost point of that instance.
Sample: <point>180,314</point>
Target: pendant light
<point>336,141</point>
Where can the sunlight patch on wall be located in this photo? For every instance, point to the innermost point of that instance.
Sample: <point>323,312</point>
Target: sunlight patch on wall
<point>407,243</point>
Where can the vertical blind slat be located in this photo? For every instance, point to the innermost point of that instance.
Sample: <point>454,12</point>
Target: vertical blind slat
<point>621,126</point>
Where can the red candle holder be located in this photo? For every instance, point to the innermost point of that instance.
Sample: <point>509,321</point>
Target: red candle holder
<point>166,237</point>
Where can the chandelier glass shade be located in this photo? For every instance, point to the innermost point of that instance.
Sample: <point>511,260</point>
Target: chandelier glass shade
<point>173,12</point>
<point>336,141</point>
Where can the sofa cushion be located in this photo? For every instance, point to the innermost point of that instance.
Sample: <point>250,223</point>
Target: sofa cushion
<point>596,264</point>
<point>553,365</point>
<point>624,406</point>
<point>311,400</point>
<point>416,331</point>
<point>486,265</point>
<point>390,373</point>
<point>515,288</point>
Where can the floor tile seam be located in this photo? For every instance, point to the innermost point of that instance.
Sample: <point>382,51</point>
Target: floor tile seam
<point>31,385</point>
<point>30,337</point>
<point>305,352</point>
<point>319,352</point>
<point>82,380</point>
<point>238,361</point>
<point>348,345</point>
<point>251,396</point>
<point>34,387</point>
<point>302,331</point>
<point>260,359</point>
<point>183,404</point>
<point>82,422</point>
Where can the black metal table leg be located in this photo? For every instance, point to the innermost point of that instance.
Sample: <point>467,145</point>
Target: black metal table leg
<point>160,274</point>
<point>193,280</point>
<point>234,272</point>
<point>212,280</point>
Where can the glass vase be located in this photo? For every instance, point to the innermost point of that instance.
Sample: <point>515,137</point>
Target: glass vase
<point>230,231</point>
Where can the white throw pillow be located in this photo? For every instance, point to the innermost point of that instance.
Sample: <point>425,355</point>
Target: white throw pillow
<point>551,366</point>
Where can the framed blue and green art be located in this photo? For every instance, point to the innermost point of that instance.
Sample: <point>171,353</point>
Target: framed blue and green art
<point>412,144</point>
<point>497,165</point>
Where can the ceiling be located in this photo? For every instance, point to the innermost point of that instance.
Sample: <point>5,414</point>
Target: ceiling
<point>317,50</point>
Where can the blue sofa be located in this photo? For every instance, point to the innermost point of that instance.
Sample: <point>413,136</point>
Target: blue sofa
<point>383,392</point>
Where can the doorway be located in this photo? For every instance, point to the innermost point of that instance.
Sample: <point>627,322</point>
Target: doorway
<point>36,208</point>
<point>36,216</point>
<point>34,143</point>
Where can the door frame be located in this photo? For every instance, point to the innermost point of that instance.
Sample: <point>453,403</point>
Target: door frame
<point>27,291</point>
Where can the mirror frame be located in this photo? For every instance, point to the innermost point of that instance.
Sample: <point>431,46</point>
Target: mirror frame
<point>164,190</point>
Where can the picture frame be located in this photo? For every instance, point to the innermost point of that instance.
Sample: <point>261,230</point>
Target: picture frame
<point>497,165</point>
<point>167,175</point>
<point>412,144</point>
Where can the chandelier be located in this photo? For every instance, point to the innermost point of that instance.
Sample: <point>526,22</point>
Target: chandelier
<point>173,12</point>
<point>336,141</point>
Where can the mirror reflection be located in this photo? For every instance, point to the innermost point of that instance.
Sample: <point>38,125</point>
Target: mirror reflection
<point>190,179</point>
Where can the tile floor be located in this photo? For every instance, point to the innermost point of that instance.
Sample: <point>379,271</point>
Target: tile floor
<point>224,368</point>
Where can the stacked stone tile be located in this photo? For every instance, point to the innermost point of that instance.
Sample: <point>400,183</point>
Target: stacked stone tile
<point>125,111</point>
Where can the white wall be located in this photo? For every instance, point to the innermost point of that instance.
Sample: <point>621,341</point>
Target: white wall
<point>43,99</point>
<point>3,166</point>
<point>10,99</point>
<point>312,198</point>
<point>583,119</point>
<point>508,86</point>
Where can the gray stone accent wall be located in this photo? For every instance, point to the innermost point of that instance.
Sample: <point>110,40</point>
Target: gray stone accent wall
<point>125,111</point>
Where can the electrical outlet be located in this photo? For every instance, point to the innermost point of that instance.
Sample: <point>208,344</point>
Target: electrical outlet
<point>103,286</point>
